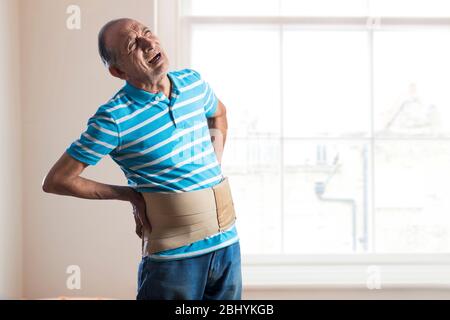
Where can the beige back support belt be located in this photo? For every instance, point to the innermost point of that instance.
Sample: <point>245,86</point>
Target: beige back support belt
<point>178,219</point>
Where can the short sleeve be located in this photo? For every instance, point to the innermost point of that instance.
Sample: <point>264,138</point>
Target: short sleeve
<point>210,101</point>
<point>99,139</point>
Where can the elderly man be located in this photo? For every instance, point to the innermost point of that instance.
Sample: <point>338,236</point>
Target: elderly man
<point>166,131</point>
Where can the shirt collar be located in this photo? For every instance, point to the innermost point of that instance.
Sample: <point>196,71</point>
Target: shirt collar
<point>142,96</point>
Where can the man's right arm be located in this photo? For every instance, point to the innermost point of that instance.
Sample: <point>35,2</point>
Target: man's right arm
<point>64,179</point>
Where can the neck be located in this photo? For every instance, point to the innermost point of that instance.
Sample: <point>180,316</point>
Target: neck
<point>160,85</point>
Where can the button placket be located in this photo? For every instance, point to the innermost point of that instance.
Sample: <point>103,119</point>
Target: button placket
<point>173,97</point>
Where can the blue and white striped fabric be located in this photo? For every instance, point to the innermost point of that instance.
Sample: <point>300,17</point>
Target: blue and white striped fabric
<point>162,144</point>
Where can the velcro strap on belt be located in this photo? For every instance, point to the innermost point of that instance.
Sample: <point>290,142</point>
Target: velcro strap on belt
<point>178,219</point>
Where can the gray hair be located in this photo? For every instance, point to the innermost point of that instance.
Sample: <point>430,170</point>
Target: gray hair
<point>108,55</point>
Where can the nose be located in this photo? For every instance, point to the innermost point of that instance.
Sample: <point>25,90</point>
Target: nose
<point>146,44</point>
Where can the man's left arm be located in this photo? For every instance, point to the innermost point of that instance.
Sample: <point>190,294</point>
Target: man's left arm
<point>218,127</point>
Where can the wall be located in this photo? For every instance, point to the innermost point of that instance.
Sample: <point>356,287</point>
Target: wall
<point>10,161</point>
<point>63,83</point>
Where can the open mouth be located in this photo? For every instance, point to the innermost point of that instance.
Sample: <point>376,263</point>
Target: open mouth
<point>155,59</point>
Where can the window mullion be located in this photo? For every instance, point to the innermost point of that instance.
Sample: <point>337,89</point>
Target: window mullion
<point>371,237</point>
<point>281,27</point>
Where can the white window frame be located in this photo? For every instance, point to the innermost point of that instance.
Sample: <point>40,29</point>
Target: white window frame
<point>402,270</point>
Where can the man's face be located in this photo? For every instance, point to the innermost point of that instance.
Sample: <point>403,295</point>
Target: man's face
<point>138,51</point>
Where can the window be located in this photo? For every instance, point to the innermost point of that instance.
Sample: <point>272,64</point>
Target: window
<point>339,123</point>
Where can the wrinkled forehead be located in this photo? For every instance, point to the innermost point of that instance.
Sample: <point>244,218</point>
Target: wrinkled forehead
<point>121,32</point>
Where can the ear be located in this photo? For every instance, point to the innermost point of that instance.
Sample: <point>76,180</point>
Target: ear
<point>116,72</point>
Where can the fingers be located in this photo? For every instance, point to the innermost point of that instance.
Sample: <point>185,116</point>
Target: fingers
<point>143,219</point>
<point>141,209</point>
<point>138,226</point>
<point>140,216</point>
<point>139,212</point>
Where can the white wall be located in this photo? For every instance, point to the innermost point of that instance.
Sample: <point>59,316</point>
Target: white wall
<point>10,161</point>
<point>64,82</point>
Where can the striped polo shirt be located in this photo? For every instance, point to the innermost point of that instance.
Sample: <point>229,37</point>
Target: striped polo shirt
<point>162,144</point>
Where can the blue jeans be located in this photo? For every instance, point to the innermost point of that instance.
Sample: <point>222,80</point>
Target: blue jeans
<point>212,276</point>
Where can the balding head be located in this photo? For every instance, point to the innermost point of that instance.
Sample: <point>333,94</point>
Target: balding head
<point>106,51</point>
<point>131,51</point>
